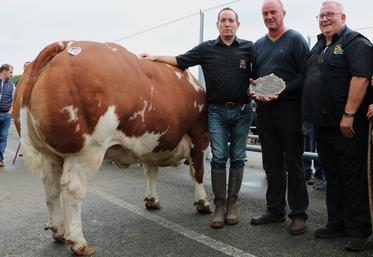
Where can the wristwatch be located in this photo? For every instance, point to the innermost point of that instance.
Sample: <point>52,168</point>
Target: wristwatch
<point>348,114</point>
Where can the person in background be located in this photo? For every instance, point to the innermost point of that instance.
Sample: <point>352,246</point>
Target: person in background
<point>310,145</point>
<point>338,74</point>
<point>24,68</point>
<point>226,65</point>
<point>7,89</point>
<point>283,52</point>
<point>16,83</point>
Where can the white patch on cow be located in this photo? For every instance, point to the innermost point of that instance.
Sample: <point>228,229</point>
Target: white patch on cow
<point>106,134</point>
<point>61,44</point>
<point>99,104</point>
<point>198,106</point>
<point>107,125</point>
<point>77,129</point>
<point>72,112</point>
<point>150,107</point>
<point>151,91</point>
<point>199,191</point>
<point>32,157</point>
<point>151,98</point>
<point>140,113</point>
<point>70,44</point>
<point>192,82</point>
<point>151,172</point>
<point>179,74</point>
<point>143,144</point>
<point>113,49</point>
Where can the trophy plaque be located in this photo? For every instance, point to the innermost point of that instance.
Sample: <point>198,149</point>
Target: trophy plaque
<point>269,85</point>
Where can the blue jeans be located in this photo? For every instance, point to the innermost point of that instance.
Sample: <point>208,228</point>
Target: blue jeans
<point>5,119</point>
<point>229,124</point>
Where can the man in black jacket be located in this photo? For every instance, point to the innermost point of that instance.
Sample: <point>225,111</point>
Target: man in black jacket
<point>335,101</point>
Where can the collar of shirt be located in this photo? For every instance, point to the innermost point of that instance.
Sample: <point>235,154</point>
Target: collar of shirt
<point>322,39</point>
<point>219,41</point>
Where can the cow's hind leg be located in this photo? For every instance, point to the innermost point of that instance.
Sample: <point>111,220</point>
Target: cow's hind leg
<point>196,168</point>
<point>77,170</point>
<point>51,176</point>
<point>151,196</point>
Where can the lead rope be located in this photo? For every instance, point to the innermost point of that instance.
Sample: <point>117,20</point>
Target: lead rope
<point>15,156</point>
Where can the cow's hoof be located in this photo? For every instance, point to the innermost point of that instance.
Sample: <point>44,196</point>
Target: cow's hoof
<point>82,249</point>
<point>59,239</point>
<point>152,204</point>
<point>57,233</point>
<point>203,207</point>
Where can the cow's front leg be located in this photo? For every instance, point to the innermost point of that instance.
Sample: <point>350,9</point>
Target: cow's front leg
<point>51,176</point>
<point>196,168</point>
<point>75,176</point>
<point>151,196</point>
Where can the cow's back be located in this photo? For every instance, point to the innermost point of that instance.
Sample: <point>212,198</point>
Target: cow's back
<point>66,97</point>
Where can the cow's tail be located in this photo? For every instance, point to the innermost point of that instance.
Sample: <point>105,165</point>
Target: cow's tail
<point>38,65</point>
<point>33,157</point>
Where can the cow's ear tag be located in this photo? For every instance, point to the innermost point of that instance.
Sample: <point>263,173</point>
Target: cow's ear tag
<point>74,50</point>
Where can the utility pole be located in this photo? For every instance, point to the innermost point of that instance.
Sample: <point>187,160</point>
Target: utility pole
<point>201,26</point>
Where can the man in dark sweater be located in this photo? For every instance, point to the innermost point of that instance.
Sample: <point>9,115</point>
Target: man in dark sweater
<point>7,89</point>
<point>226,64</point>
<point>284,53</point>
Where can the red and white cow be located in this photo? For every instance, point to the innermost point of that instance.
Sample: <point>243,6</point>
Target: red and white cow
<point>79,103</point>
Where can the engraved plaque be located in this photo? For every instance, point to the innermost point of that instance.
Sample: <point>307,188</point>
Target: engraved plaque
<point>269,85</point>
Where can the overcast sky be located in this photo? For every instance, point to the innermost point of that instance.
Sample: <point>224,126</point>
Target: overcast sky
<point>29,25</point>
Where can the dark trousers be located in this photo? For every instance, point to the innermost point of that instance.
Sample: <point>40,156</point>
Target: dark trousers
<point>345,163</point>
<point>280,133</point>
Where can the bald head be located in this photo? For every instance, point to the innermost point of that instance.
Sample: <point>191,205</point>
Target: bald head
<point>273,15</point>
<point>276,2</point>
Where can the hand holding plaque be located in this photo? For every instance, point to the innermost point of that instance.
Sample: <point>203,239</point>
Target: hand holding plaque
<point>267,86</point>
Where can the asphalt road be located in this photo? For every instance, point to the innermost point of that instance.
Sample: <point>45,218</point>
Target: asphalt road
<point>116,222</point>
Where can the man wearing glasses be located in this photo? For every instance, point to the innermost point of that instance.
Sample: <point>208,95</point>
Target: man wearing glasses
<point>335,100</point>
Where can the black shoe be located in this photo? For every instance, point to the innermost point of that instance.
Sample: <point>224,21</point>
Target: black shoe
<point>266,218</point>
<point>356,244</point>
<point>328,232</point>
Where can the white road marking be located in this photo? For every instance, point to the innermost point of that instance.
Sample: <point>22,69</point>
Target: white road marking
<point>252,184</point>
<point>212,243</point>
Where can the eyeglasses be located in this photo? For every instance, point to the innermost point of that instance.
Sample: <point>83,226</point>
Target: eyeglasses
<point>328,15</point>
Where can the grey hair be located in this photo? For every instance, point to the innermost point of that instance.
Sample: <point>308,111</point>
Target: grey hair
<point>336,3</point>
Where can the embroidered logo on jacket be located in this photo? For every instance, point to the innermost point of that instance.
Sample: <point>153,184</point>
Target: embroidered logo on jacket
<point>242,64</point>
<point>338,50</point>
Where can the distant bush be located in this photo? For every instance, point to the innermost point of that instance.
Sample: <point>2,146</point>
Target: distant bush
<point>15,78</point>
